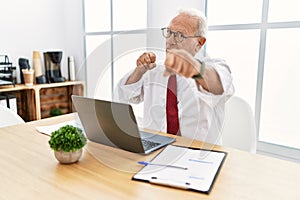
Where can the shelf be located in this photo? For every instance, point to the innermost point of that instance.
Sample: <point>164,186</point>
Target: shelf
<point>35,102</point>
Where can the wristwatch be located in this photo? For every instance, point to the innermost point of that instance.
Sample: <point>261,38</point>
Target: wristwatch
<point>200,75</point>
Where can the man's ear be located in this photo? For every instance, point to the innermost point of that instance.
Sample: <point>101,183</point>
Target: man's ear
<point>201,40</point>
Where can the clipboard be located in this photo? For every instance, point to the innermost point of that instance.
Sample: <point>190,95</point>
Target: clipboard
<point>185,168</point>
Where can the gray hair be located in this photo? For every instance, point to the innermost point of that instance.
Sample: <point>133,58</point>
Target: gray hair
<point>202,22</point>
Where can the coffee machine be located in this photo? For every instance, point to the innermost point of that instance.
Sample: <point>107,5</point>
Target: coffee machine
<point>52,61</point>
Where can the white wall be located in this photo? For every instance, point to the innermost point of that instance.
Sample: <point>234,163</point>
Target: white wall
<point>74,32</point>
<point>28,25</point>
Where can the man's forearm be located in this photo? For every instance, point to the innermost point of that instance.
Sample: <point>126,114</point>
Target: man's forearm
<point>144,63</point>
<point>134,77</point>
<point>211,81</point>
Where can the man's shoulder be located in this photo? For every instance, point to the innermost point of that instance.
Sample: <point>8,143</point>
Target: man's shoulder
<point>216,62</point>
<point>212,60</point>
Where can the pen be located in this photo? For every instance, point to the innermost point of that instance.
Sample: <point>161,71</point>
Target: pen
<point>170,183</point>
<point>162,165</point>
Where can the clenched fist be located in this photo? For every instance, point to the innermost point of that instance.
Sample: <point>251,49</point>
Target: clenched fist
<point>146,62</point>
<point>181,62</point>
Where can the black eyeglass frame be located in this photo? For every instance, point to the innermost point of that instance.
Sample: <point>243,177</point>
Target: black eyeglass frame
<point>176,34</point>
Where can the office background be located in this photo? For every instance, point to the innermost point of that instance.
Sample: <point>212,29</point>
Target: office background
<point>258,38</point>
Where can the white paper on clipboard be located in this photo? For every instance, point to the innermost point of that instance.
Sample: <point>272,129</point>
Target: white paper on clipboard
<point>202,168</point>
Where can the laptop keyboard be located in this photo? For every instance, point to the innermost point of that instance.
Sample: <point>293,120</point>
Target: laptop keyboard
<point>149,144</point>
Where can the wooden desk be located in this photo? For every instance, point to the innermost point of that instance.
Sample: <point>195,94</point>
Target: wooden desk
<point>28,170</point>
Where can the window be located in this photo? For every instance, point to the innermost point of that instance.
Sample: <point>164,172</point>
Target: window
<point>259,40</point>
<point>280,111</point>
<point>113,40</point>
<point>100,10</point>
<point>243,64</point>
<point>283,11</point>
<point>126,19</point>
<point>234,12</point>
<point>107,26</point>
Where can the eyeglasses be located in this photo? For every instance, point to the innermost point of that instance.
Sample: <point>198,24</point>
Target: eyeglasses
<point>178,36</point>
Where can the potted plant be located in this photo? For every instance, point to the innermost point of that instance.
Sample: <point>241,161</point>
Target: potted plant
<point>55,112</point>
<point>67,143</point>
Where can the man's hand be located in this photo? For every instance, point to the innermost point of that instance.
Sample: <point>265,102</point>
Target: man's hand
<point>181,62</point>
<point>144,63</point>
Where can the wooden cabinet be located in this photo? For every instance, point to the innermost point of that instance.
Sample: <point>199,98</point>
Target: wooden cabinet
<point>35,102</point>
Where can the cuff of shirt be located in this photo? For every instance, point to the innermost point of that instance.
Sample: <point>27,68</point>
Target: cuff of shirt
<point>224,74</point>
<point>133,89</point>
<point>226,79</point>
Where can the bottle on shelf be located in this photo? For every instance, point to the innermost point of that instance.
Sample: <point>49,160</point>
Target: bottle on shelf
<point>37,66</point>
<point>71,68</point>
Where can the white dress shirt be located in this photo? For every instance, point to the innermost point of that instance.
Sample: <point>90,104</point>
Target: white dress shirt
<point>201,113</point>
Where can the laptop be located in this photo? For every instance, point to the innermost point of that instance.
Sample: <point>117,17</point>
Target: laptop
<point>114,124</point>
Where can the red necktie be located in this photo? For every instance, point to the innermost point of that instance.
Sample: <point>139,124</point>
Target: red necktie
<point>171,107</point>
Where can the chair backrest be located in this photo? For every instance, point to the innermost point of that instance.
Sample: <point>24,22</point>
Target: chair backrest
<point>239,125</point>
<point>9,117</point>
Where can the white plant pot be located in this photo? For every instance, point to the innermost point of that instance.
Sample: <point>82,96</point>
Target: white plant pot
<point>68,157</point>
